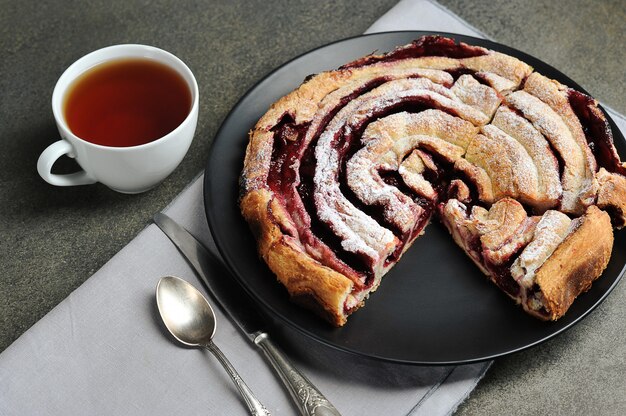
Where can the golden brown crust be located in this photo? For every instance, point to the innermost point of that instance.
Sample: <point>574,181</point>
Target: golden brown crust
<point>501,222</point>
<point>576,263</point>
<point>509,71</point>
<point>297,271</point>
<point>256,167</point>
<point>302,275</point>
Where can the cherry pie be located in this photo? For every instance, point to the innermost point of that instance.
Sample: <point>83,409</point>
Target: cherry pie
<point>344,173</point>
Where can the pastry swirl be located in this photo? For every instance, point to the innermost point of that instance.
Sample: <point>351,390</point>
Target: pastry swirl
<point>344,173</point>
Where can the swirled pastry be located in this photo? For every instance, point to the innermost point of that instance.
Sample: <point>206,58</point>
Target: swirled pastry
<point>344,173</point>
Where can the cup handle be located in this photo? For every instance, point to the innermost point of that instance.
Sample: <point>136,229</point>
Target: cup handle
<point>47,159</point>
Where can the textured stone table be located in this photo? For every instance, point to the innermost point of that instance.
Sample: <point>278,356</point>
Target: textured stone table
<point>52,239</point>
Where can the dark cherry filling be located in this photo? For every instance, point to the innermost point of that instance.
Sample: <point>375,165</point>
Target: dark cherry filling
<point>393,178</point>
<point>474,246</point>
<point>287,138</point>
<point>559,161</point>
<point>445,174</point>
<point>597,131</point>
<point>501,276</point>
<point>473,190</point>
<point>457,72</point>
<point>424,46</point>
<point>517,112</point>
<point>483,80</point>
<point>281,179</point>
<point>318,228</point>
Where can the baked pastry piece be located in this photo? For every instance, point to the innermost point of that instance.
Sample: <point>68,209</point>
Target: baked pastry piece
<point>344,173</point>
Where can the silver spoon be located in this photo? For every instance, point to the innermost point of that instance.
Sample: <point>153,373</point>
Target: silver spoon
<point>190,319</point>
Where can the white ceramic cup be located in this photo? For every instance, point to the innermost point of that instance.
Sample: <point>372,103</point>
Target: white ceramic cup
<point>124,169</point>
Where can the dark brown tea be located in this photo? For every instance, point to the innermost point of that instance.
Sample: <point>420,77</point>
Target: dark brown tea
<point>127,102</point>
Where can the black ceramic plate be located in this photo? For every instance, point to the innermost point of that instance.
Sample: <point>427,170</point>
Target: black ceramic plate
<point>434,307</point>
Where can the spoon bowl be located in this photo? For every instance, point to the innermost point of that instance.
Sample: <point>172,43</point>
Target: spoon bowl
<point>188,316</point>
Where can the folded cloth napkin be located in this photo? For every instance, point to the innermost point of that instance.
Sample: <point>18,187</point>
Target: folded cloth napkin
<point>103,350</point>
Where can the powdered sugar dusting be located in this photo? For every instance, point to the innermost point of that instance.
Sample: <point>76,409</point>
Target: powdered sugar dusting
<point>359,232</point>
<point>520,129</point>
<point>524,177</point>
<point>388,141</point>
<point>411,171</point>
<point>548,123</point>
<point>476,95</point>
<point>552,228</point>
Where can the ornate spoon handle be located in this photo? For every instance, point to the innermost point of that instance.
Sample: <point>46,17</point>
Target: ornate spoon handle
<point>254,405</point>
<point>308,398</point>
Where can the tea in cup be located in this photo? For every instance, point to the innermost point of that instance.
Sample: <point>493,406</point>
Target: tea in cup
<point>127,114</point>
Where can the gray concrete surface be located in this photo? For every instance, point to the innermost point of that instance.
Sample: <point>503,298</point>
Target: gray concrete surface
<point>52,239</point>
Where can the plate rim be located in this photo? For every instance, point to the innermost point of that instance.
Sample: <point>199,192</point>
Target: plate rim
<point>259,301</point>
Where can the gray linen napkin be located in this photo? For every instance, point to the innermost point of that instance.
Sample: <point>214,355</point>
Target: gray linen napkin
<point>103,351</point>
